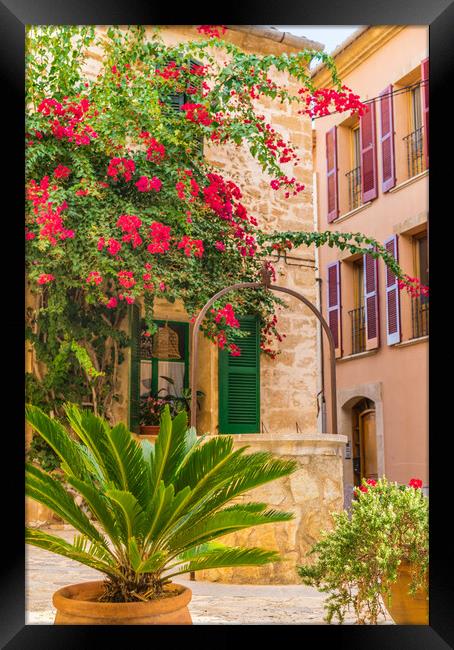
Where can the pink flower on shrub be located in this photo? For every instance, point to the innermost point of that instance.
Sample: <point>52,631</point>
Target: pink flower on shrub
<point>94,277</point>
<point>62,172</point>
<point>45,278</point>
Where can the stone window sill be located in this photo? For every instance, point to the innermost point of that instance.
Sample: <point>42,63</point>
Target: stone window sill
<point>409,181</point>
<point>405,344</point>
<point>347,215</point>
<point>360,355</point>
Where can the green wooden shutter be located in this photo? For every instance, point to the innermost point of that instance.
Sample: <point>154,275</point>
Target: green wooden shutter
<point>134,369</point>
<point>239,383</point>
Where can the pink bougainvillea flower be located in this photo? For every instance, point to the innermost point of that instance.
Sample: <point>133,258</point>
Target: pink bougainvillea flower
<point>126,279</point>
<point>94,277</point>
<point>112,303</point>
<point>45,278</point>
<point>212,31</point>
<point>145,184</point>
<point>114,246</point>
<point>160,238</point>
<point>220,246</point>
<point>62,172</point>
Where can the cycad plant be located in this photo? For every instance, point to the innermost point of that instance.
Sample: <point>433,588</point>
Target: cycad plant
<point>156,507</point>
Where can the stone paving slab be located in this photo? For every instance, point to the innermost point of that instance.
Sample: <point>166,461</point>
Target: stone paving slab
<point>212,603</point>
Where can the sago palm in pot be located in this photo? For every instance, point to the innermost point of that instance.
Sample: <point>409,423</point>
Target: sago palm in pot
<point>156,511</point>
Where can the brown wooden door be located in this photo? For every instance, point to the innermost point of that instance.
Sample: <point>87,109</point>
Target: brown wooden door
<point>368,444</point>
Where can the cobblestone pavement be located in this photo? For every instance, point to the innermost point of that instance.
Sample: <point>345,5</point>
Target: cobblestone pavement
<point>212,603</point>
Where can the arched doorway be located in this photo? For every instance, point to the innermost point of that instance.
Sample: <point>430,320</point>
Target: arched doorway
<point>364,441</point>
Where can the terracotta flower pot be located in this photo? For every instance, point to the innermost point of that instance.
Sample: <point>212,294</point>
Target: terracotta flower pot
<point>77,605</point>
<point>149,429</point>
<point>403,608</point>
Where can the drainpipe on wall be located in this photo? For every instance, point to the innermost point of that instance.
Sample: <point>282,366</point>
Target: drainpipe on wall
<point>321,419</point>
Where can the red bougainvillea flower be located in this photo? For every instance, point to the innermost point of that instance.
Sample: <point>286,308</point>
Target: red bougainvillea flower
<point>160,238</point>
<point>197,113</point>
<point>415,483</point>
<point>191,246</point>
<point>228,315</point>
<point>145,184</point>
<point>413,286</point>
<point>371,481</point>
<point>114,246</point>
<point>220,246</point>
<point>94,277</point>
<point>45,278</point>
<point>112,303</point>
<point>212,31</point>
<point>126,279</point>
<point>62,172</point>
<point>101,243</point>
<point>156,151</point>
<point>121,166</point>
<point>234,350</point>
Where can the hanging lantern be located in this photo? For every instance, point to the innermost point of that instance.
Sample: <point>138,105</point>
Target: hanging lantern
<point>165,343</point>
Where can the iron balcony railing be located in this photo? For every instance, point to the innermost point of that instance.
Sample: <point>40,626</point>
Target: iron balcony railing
<point>354,188</point>
<point>420,316</point>
<point>358,330</point>
<point>415,157</point>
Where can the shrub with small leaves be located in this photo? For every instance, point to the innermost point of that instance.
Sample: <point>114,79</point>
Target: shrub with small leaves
<point>359,559</point>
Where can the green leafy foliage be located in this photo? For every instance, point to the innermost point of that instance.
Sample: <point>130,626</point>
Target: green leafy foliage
<point>157,510</point>
<point>359,558</point>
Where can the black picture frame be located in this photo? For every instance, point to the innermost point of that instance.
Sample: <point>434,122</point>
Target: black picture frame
<point>14,15</point>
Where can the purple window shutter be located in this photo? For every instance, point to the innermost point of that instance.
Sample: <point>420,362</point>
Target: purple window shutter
<point>368,141</point>
<point>425,107</point>
<point>331,174</point>
<point>392,296</point>
<point>387,139</point>
<point>371,301</point>
<point>334,305</point>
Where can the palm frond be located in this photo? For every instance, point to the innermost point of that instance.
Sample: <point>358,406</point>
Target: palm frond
<point>154,563</point>
<point>57,437</point>
<point>99,506</point>
<point>61,547</point>
<point>162,510</point>
<point>169,448</point>
<point>229,557</point>
<point>43,488</point>
<point>221,523</point>
<point>131,515</point>
<point>93,432</point>
<point>130,460</point>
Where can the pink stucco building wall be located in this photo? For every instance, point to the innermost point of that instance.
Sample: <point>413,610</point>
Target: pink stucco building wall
<point>387,376</point>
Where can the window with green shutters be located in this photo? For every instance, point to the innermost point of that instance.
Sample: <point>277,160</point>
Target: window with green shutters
<point>239,383</point>
<point>149,375</point>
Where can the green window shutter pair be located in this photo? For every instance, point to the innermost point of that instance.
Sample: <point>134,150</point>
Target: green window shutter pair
<point>239,383</point>
<point>134,368</point>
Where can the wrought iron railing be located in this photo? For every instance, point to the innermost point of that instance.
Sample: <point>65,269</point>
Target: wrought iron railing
<point>420,316</point>
<point>415,154</point>
<point>354,188</point>
<point>358,330</point>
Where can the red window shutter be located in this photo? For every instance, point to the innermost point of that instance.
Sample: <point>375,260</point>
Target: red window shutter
<point>425,107</point>
<point>387,139</point>
<point>331,174</point>
<point>368,154</point>
<point>334,305</point>
<point>371,301</point>
<point>392,296</point>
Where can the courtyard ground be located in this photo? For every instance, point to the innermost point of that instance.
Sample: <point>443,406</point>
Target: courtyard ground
<point>212,603</point>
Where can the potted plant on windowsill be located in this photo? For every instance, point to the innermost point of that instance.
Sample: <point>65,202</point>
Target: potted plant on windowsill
<point>152,407</point>
<point>377,554</point>
<point>157,509</point>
